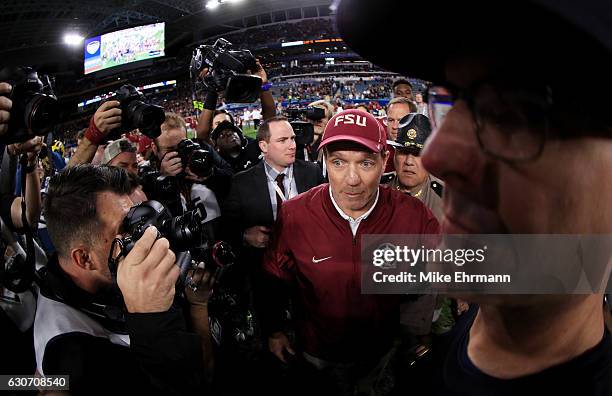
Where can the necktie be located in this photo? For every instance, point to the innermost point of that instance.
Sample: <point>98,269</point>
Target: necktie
<point>279,183</point>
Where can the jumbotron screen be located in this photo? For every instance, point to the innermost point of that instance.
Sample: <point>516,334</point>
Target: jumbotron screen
<point>124,46</point>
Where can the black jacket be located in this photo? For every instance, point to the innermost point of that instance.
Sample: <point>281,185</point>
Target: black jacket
<point>248,203</point>
<point>247,158</point>
<point>221,178</point>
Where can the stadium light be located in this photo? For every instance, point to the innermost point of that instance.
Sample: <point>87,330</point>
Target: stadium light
<point>73,39</point>
<point>212,4</point>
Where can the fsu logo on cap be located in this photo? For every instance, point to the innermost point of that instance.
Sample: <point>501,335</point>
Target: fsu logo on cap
<point>350,119</point>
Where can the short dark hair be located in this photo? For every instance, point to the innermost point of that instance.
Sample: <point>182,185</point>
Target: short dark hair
<point>263,133</point>
<point>401,81</point>
<point>70,205</point>
<point>231,117</point>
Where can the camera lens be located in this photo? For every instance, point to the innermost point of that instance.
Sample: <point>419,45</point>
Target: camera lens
<point>147,118</point>
<point>183,231</point>
<point>201,163</point>
<point>41,113</point>
<point>243,89</point>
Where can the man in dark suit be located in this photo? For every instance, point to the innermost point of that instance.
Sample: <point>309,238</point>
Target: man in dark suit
<point>256,193</point>
<point>249,212</point>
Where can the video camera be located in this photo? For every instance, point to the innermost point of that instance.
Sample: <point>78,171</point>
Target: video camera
<point>135,113</point>
<point>35,109</point>
<point>227,71</point>
<point>300,120</point>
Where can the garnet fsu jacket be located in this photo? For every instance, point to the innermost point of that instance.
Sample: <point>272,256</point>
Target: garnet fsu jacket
<point>314,250</point>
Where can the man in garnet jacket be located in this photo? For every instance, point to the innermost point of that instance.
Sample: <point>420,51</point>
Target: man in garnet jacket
<point>342,333</point>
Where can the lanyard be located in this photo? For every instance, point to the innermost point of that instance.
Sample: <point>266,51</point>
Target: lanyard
<point>277,188</point>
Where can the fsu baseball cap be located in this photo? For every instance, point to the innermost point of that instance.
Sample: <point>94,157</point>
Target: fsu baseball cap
<point>355,126</point>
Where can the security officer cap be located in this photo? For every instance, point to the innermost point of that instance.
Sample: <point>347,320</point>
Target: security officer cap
<point>412,132</point>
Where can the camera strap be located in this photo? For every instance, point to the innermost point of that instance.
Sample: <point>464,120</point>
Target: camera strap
<point>30,261</point>
<point>7,172</point>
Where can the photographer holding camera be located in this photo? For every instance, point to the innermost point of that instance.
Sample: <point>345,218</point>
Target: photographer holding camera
<point>104,120</point>
<point>17,307</point>
<point>28,111</point>
<point>110,332</point>
<point>197,172</point>
<point>218,68</point>
<point>319,126</point>
<point>116,117</point>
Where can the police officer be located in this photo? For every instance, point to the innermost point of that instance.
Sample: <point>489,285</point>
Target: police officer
<point>410,175</point>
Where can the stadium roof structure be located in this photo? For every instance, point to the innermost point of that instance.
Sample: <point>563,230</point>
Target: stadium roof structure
<point>31,31</point>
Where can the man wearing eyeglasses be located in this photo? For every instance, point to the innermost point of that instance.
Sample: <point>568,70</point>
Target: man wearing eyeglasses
<point>519,154</point>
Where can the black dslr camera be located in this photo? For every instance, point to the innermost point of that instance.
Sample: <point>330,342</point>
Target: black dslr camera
<point>183,232</point>
<point>199,161</point>
<point>300,118</point>
<point>35,108</point>
<point>135,113</point>
<point>165,189</point>
<point>227,71</point>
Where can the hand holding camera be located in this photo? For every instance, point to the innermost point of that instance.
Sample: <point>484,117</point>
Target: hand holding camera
<point>189,160</point>
<point>148,274</point>
<point>171,164</point>
<point>28,106</point>
<point>126,113</point>
<point>260,72</point>
<point>32,147</point>
<point>227,71</point>
<point>108,116</point>
<point>5,107</point>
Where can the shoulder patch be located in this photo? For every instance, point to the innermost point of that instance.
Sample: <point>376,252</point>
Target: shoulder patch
<point>437,187</point>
